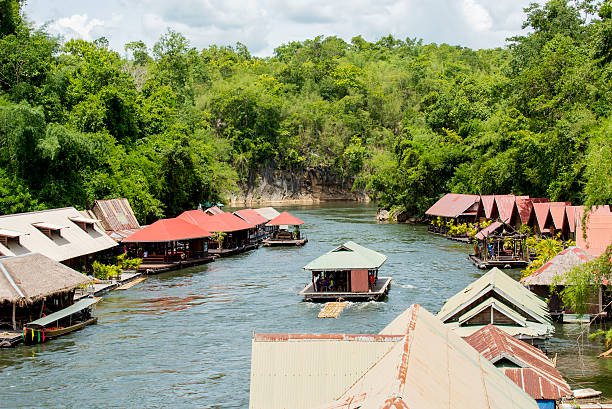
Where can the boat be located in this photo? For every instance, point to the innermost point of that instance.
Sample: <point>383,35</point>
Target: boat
<point>347,273</point>
<point>61,322</point>
<point>282,236</point>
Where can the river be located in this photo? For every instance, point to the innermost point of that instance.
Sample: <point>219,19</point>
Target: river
<point>183,339</point>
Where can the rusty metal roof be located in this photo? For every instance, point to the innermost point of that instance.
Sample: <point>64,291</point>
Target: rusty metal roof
<point>427,366</point>
<point>525,207</point>
<point>115,214</point>
<point>213,210</point>
<point>268,212</point>
<point>533,371</point>
<point>452,205</point>
<point>559,264</point>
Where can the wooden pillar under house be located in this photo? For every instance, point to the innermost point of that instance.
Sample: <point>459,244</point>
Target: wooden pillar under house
<point>14,321</point>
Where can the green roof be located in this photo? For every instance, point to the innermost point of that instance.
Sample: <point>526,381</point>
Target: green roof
<point>58,315</point>
<point>506,287</point>
<point>349,256</point>
<point>498,305</point>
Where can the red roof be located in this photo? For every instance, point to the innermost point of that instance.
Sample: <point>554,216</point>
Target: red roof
<point>505,207</point>
<point>222,222</point>
<point>251,216</point>
<point>488,230</point>
<point>167,230</point>
<point>487,203</point>
<point>285,219</point>
<point>598,231</point>
<point>541,379</point>
<point>557,213</point>
<point>570,213</point>
<point>452,205</point>
<point>525,206</point>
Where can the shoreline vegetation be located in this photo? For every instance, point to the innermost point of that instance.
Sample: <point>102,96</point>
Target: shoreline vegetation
<point>398,120</point>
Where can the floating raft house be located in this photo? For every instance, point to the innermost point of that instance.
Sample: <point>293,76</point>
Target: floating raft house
<point>496,298</point>
<point>415,362</point>
<point>281,236</point>
<point>348,272</point>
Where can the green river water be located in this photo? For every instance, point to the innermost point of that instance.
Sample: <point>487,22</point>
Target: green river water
<point>183,339</point>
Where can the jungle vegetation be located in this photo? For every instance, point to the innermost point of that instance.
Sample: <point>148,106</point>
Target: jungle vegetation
<point>173,126</point>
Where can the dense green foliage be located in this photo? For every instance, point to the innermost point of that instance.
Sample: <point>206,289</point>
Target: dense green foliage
<point>173,126</point>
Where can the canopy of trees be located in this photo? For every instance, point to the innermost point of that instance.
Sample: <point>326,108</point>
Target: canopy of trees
<point>173,126</point>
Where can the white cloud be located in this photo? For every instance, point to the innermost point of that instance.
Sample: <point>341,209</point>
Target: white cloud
<point>78,25</point>
<point>476,15</point>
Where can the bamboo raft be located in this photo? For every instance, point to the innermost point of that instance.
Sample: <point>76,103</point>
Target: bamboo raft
<point>332,309</point>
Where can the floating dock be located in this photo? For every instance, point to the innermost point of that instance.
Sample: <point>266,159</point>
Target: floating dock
<point>332,309</point>
<point>381,289</point>
<point>272,242</point>
<point>499,263</point>
<point>131,284</point>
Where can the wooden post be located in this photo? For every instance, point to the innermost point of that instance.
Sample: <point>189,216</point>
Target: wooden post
<point>42,307</point>
<point>14,321</point>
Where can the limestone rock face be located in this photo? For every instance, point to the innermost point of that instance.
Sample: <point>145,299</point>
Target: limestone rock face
<point>303,186</point>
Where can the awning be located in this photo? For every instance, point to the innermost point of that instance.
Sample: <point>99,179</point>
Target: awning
<point>10,233</point>
<point>83,219</point>
<point>73,309</point>
<point>49,226</point>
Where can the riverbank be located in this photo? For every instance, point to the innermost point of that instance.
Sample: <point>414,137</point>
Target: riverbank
<point>186,334</point>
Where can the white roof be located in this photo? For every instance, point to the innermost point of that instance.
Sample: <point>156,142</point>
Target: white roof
<point>10,233</point>
<point>83,219</point>
<point>424,366</point>
<point>268,212</point>
<point>74,241</point>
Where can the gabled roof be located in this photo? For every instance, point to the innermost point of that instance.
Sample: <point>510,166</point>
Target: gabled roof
<point>268,212</point>
<point>285,219</point>
<point>536,374</point>
<point>452,205</point>
<point>349,256</point>
<point>251,216</point>
<point>558,265</point>
<point>488,202</point>
<point>31,277</point>
<point>525,207</point>
<point>488,230</point>
<point>505,207</point>
<point>427,366</point>
<point>557,214</point>
<point>222,222</point>
<point>497,306</point>
<point>496,282</point>
<point>166,230</point>
<point>543,214</point>
<point>570,213</point>
<point>115,214</point>
<point>72,242</point>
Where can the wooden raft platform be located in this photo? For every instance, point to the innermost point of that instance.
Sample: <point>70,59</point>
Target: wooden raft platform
<point>271,242</point>
<point>499,263</point>
<point>332,309</point>
<point>131,284</point>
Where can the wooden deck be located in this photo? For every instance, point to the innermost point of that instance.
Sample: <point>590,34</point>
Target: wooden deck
<point>10,338</point>
<point>383,284</point>
<point>332,309</point>
<point>271,242</point>
<point>499,262</point>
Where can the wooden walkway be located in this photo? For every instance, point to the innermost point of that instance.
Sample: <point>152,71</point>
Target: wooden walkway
<point>131,284</point>
<point>332,309</point>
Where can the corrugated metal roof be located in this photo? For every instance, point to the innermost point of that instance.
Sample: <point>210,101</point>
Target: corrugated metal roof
<point>496,281</point>
<point>558,265</point>
<point>285,219</point>
<point>541,380</point>
<point>531,331</point>
<point>251,216</point>
<point>452,205</point>
<point>488,202</point>
<point>165,230</point>
<point>506,207</point>
<point>74,241</point>
<point>268,212</point>
<point>525,207</point>
<point>488,230</point>
<point>58,315</point>
<point>598,231</point>
<point>115,214</point>
<point>221,222</point>
<point>430,367</point>
<point>349,256</point>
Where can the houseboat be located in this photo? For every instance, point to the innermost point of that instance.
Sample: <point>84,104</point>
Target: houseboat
<point>348,272</point>
<point>282,236</point>
<point>35,289</point>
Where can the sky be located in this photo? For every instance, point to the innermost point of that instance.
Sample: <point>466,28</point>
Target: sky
<point>263,25</point>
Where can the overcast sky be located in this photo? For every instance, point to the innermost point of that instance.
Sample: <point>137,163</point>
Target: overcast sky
<point>265,24</point>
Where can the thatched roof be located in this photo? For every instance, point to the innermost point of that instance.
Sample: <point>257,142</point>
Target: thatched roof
<point>31,277</point>
<point>558,265</point>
